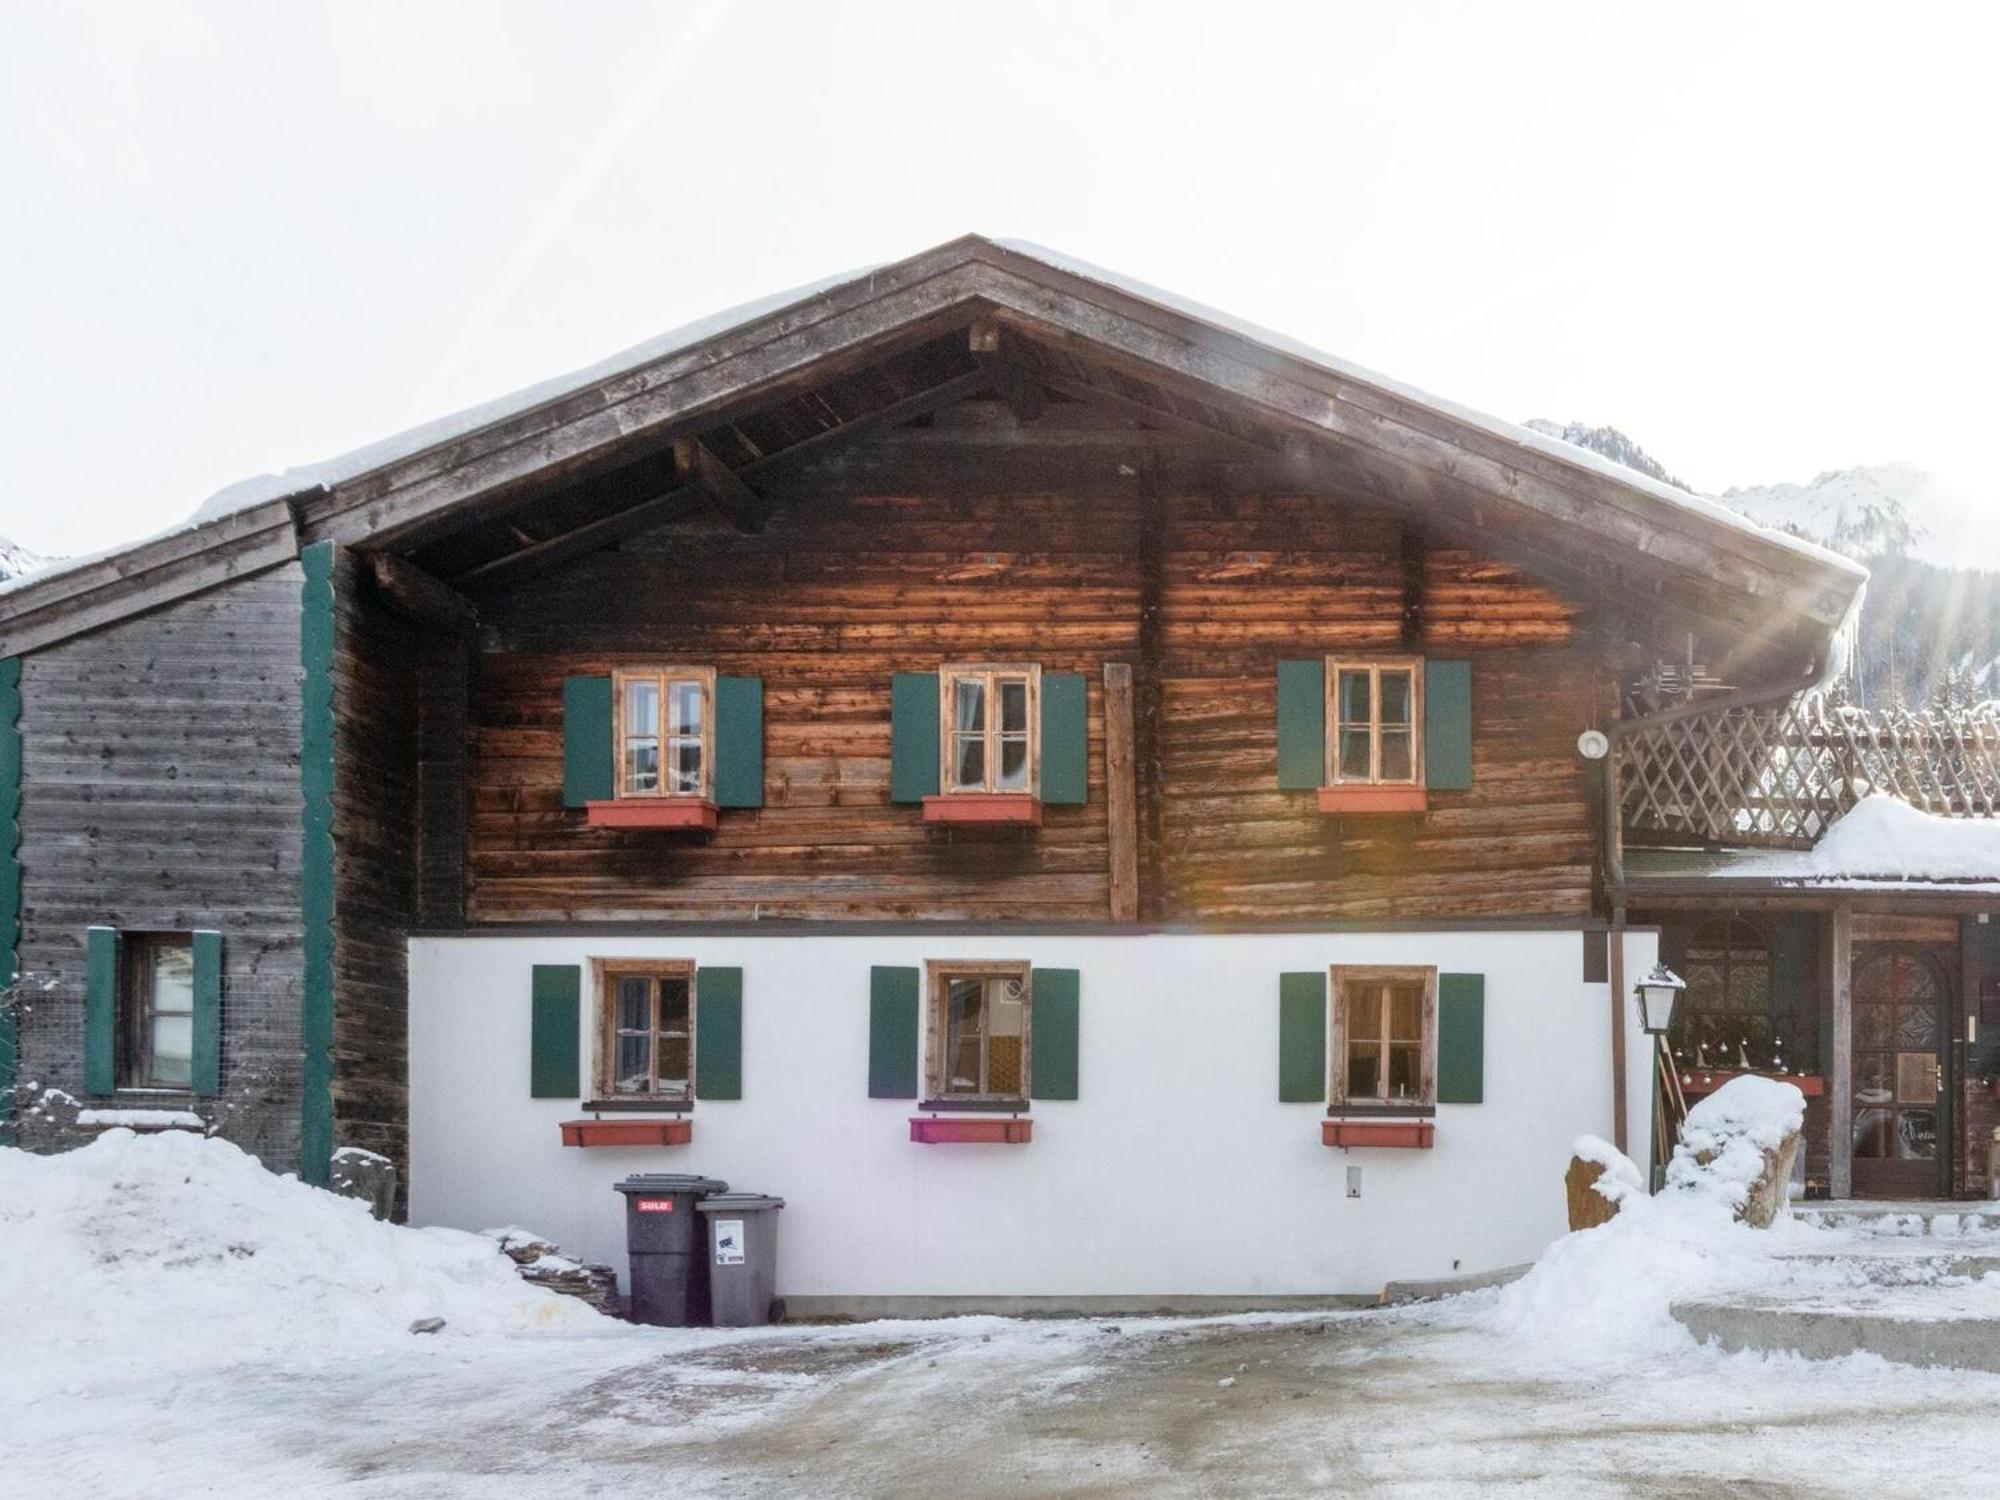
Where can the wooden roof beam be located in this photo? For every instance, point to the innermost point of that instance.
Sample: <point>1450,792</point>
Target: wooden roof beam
<point>746,509</point>
<point>416,595</point>
<point>679,501</point>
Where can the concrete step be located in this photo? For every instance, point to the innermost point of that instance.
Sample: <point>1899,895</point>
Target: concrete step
<point>1943,1219</point>
<point>1918,1262</point>
<point>1950,1327</point>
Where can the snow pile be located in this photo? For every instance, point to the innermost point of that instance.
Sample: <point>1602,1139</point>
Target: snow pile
<point>1606,1293</point>
<point>1724,1140</point>
<point>1621,1178</point>
<point>185,1247</point>
<point>1884,838</point>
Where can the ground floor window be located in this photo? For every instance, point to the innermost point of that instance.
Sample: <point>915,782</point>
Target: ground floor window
<point>1725,1018</point>
<point>646,1049</point>
<point>979,1015</point>
<point>157,1036</point>
<point>1384,1037</point>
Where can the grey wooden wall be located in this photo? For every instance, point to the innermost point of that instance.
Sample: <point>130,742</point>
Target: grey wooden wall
<point>160,791</point>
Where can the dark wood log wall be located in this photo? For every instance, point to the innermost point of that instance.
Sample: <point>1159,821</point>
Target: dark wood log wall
<point>825,610</point>
<point>1254,579</point>
<point>979,540</point>
<point>160,792</point>
<point>376,700</point>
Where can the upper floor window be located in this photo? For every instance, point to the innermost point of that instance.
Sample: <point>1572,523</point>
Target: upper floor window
<point>1373,716</point>
<point>989,731</point>
<point>646,1047</point>
<point>665,731</point>
<point>1384,1037</point>
<point>157,1036</point>
<point>979,1016</point>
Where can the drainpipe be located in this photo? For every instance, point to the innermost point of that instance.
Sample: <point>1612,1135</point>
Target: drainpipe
<point>1616,973</point>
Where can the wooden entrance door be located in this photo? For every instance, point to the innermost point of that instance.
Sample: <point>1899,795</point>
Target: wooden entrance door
<point>1901,999</point>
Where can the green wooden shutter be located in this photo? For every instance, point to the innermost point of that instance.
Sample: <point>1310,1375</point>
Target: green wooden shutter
<point>1448,726</point>
<point>10,884</point>
<point>1302,1038</point>
<point>1065,739</point>
<point>913,736</point>
<point>1052,1026</point>
<point>555,1032</point>
<point>1461,1075</point>
<point>588,759</point>
<point>892,1032</point>
<point>739,742</point>
<point>1301,725</point>
<point>100,1011</point>
<point>207,1074</point>
<point>718,1033</point>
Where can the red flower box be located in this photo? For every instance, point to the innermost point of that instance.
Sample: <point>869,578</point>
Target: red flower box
<point>1708,1080</point>
<point>627,1132</point>
<point>1409,1134</point>
<point>985,807</point>
<point>929,1130</point>
<point>653,812</point>
<point>1373,799</point>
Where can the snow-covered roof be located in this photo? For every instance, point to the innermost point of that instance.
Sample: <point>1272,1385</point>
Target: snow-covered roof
<point>754,321</point>
<point>1882,843</point>
<point>1510,432</point>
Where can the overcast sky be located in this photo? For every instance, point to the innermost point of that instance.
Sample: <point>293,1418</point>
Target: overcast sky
<point>1761,239</point>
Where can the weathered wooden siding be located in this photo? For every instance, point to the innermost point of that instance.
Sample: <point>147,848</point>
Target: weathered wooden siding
<point>1255,579</point>
<point>160,791</point>
<point>825,606</point>
<point>376,694</point>
<point>1070,547</point>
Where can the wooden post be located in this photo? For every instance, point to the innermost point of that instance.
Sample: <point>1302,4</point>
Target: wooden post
<point>1616,973</point>
<point>1121,791</point>
<point>1840,1071</point>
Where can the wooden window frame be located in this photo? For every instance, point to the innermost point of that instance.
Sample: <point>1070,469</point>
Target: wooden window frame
<point>1374,666</point>
<point>1347,984</point>
<point>663,677</point>
<point>991,673</point>
<point>135,1010</point>
<point>938,973</point>
<point>606,972</point>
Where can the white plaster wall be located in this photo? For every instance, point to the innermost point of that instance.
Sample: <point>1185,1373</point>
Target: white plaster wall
<point>1177,1171</point>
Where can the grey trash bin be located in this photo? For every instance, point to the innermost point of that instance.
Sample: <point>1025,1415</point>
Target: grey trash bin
<point>742,1258</point>
<point>665,1247</point>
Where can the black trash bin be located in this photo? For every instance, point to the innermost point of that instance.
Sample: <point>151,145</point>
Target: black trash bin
<point>743,1258</point>
<point>666,1247</point>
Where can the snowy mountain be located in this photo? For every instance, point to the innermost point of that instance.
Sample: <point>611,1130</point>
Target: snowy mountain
<point>1611,443</point>
<point>1930,626</point>
<point>1878,510</point>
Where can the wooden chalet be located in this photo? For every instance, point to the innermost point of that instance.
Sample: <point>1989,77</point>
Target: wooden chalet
<point>949,746</point>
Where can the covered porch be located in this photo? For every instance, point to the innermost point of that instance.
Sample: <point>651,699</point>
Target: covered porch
<point>1882,1005</point>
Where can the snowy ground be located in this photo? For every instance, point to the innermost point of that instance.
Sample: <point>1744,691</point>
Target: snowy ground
<point>148,1350</point>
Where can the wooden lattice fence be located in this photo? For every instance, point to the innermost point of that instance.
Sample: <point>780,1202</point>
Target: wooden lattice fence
<point>1777,775</point>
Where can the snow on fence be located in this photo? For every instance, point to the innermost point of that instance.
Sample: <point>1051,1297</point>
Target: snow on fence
<point>1778,775</point>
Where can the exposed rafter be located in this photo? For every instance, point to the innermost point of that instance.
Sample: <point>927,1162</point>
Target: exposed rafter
<point>417,596</point>
<point>746,509</point>
<point>678,500</point>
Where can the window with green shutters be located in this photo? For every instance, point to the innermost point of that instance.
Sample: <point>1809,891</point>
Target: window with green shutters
<point>1381,1039</point>
<point>1365,722</point>
<point>974,1033</point>
<point>666,1031</point>
<point>659,733</point>
<point>153,1012</point>
<point>989,730</point>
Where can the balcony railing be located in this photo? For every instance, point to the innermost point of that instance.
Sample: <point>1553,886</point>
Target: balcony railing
<point>1777,775</point>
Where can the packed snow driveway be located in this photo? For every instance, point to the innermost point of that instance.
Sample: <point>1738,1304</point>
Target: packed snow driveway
<point>184,1324</point>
